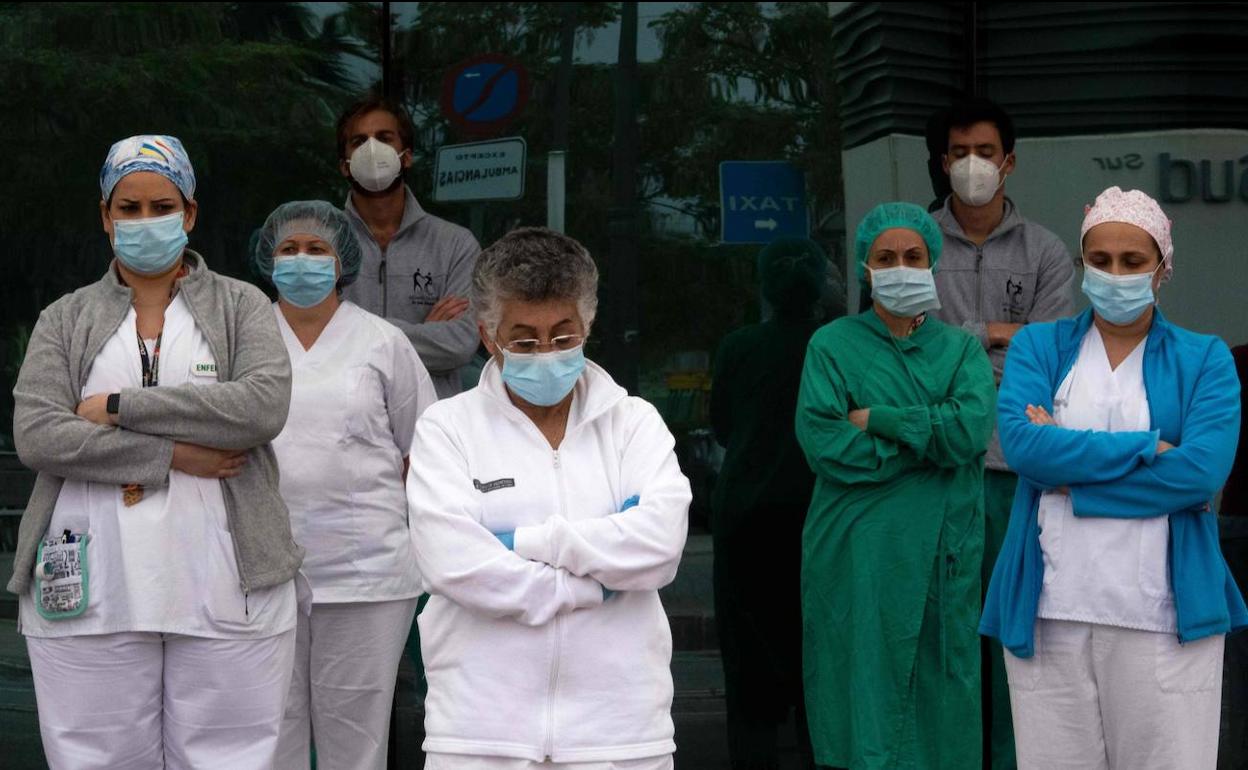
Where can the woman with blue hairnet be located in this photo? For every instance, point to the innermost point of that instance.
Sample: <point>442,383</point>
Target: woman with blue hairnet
<point>358,387</point>
<point>894,414</point>
<point>155,560</point>
<point>760,502</point>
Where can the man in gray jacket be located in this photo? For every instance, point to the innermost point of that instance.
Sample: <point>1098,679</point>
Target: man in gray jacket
<point>416,268</point>
<point>998,272</point>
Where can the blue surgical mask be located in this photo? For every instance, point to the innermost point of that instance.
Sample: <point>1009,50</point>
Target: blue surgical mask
<point>1119,299</point>
<point>904,291</point>
<point>543,379</point>
<point>149,246</point>
<point>304,280</point>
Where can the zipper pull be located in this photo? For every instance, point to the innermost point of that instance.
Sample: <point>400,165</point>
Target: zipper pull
<point>246,606</point>
<point>381,271</point>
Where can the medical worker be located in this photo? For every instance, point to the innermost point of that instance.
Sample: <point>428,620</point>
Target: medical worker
<point>357,388</point>
<point>548,510</point>
<point>416,267</point>
<point>759,505</point>
<point>1111,596</point>
<point>894,415</point>
<point>155,560</point>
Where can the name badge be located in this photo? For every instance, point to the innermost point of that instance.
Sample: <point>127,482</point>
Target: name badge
<point>204,369</point>
<point>493,486</point>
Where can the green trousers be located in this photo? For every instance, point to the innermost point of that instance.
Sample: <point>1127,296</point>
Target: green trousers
<point>413,647</point>
<point>998,723</point>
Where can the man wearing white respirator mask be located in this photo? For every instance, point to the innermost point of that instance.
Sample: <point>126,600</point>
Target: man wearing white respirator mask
<point>416,267</point>
<point>999,272</point>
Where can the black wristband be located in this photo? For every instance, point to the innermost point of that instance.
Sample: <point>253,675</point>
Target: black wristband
<point>113,404</point>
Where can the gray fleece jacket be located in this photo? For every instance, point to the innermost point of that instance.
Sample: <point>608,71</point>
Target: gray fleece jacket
<point>245,409</point>
<point>1021,274</point>
<point>427,259</point>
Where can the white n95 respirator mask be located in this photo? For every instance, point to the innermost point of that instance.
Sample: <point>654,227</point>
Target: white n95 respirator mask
<point>375,165</point>
<point>975,180</point>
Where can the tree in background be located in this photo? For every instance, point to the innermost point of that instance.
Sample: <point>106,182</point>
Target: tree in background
<point>735,81</point>
<point>252,89</point>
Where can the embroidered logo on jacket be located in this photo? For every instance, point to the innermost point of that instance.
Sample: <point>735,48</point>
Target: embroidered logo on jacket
<point>493,486</point>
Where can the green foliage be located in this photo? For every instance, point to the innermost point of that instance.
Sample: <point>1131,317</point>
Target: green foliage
<point>255,111</point>
<point>734,82</point>
<point>252,89</point>
<point>738,83</point>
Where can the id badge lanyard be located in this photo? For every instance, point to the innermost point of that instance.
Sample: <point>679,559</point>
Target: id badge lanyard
<point>132,494</point>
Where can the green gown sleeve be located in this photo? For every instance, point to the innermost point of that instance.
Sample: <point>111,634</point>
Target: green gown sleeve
<point>954,431</point>
<point>834,447</point>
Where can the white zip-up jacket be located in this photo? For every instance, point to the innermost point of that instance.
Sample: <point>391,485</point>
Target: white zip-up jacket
<point>523,656</point>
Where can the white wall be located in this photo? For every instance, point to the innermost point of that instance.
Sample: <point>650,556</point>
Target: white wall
<point>1054,179</point>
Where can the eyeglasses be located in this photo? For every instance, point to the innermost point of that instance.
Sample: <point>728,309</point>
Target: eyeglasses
<point>527,346</point>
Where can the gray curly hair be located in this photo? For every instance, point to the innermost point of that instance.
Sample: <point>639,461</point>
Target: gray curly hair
<point>534,264</point>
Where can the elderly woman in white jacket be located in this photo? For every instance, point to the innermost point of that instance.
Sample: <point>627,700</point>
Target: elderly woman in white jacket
<point>547,510</point>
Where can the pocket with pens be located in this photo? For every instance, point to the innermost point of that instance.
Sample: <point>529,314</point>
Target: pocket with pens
<point>62,576</point>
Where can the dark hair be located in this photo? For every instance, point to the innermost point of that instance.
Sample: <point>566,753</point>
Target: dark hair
<point>372,103</point>
<point>968,111</point>
<point>936,136</point>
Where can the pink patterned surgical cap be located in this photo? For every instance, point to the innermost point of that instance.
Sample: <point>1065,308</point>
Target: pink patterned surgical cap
<point>1134,208</point>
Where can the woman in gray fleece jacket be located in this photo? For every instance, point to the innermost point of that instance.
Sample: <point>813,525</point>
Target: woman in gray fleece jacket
<point>155,562</point>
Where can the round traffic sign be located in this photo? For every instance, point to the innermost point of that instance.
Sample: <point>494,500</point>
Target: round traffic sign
<point>482,95</point>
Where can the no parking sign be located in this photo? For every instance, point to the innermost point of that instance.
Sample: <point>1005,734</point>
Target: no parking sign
<point>482,95</point>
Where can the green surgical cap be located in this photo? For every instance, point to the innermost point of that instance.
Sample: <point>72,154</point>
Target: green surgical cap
<point>887,216</point>
<point>792,271</point>
<point>324,220</point>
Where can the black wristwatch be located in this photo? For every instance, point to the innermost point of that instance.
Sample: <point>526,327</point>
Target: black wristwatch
<point>113,404</point>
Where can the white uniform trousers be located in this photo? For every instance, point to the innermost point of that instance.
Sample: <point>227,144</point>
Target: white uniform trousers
<point>140,701</point>
<point>1097,697</point>
<point>346,660</point>
<point>476,762</point>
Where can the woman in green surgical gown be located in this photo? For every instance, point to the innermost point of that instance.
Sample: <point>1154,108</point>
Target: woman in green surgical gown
<point>894,415</point>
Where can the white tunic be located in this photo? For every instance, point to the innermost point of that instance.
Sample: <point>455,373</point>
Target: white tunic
<point>166,564</point>
<point>524,655</point>
<point>354,401</point>
<point>1103,570</point>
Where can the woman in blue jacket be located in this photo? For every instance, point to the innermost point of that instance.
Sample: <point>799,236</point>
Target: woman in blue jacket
<point>1111,595</point>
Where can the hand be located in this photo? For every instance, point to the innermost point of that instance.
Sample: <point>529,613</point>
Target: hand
<point>207,463</point>
<point>95,409</point>
<point>448,308</point>
<point>508,539</point>
<point>860,417</point>
<point>1164,446</point>
<point>1001,334</point>
<point>1039,416</point>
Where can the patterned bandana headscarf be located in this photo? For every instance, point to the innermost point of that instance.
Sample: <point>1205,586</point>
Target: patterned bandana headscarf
<point>148,152</point>
<point>1133,208</point>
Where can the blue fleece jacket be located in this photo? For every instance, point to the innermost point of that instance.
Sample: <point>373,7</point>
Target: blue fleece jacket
<point>1193,399</point>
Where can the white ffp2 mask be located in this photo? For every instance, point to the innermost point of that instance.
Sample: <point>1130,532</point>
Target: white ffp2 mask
<point>375,165</point>
<point>975,180</point>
